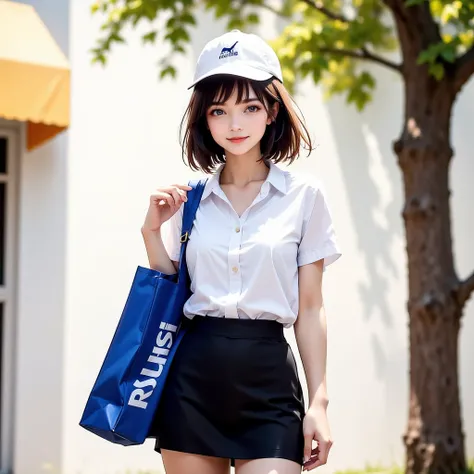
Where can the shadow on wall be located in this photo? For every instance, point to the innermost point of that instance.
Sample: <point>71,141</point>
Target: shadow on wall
<point>370,173</point>
<point>461,178</point>
<point>375,205</point>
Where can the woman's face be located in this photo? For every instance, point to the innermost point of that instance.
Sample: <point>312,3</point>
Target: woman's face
<point>238,128</point>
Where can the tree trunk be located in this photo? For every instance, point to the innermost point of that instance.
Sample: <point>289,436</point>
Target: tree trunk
<point>434,438</point>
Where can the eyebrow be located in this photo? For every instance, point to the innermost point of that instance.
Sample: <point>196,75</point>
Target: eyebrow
<point>244,101</point>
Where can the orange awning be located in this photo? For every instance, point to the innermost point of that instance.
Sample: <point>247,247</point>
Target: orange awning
<point>34,74</point>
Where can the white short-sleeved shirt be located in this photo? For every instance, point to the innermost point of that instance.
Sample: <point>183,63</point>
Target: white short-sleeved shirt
<point>247,267</point>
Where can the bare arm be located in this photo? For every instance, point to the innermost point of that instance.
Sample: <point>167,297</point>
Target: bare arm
<point>311,338</point>
<point>157,256</point>
<point>311,332</point>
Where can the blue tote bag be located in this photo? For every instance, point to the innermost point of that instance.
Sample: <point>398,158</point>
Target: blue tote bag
<point>124,398</point>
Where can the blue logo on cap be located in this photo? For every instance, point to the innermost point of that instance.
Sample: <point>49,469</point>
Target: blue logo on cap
<point>226,52</point>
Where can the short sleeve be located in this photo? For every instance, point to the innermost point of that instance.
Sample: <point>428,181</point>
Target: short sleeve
<point>172,234</point>
<point>318,239</point>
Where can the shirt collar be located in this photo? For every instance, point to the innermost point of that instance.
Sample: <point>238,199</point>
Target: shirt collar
<point>276,177</point>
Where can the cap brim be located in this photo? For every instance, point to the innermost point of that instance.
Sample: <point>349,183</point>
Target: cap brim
<point>239,70</point>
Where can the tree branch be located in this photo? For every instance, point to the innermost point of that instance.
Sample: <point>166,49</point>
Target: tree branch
<point>465,289</point>
<point>317,5</point>
<point>464,69</point>
<point>363,54</point>
<point>416,27</point>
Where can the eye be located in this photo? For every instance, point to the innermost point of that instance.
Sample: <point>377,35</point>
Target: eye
<point>253,108</point>
<point>216,112</point>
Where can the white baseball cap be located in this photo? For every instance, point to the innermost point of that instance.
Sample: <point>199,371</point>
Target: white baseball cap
<point>238,54</point>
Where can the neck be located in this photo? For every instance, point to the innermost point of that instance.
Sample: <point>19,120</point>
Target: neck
<point>241,170</point>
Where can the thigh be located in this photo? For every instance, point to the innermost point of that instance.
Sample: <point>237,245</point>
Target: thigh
<point>266,466</point>
<point>176,462</point>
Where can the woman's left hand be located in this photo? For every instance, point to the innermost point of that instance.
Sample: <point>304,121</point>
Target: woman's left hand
<point>316,427</point>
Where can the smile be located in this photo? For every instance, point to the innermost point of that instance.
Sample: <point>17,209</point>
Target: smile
<point>237,139</point>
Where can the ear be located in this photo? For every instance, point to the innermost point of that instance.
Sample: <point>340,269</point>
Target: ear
<point>273,113</point>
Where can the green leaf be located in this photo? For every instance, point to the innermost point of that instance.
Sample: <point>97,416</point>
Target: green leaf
<point>316,75</point>
<point>149,37</point>
<point>187,18</point>
<point>428,56</point>
<point>253,19</point>
<point>179,49</point>
<point>168,71</point>
<point>322,62</point>
<point>99,58</point>
<point>177,35</point>
<point>95,7</point>
<point>437,70</point>
<point>171,23</point>
<point>448,54</point>
<point>116,38</point>
<point>235,23</point>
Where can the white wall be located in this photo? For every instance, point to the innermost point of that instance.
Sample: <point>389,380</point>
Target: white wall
<point>122,144</point>
<point>463,232</point>
<point>38,433</point>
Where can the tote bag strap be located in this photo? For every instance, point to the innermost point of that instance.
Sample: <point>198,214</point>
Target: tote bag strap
<point>189,213</point>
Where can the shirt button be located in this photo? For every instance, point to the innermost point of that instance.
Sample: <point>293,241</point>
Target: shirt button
<point>235,269</point>
<point>237,229</point>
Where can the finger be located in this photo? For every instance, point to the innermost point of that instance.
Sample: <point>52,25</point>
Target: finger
<point>167,199</point>
<point>170,193</point>
<point>171,189</point>
<point>313,465</point>
<point>320,456</point>
<point>176,196</point>
<point>184,187</point>
<point>170,201</point>
<point>308,444</point>
<point>161,198</point>
<point>314,457</point>
<point>183,194</point>
<point>323,447</point>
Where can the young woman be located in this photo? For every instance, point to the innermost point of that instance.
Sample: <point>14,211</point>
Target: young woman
<point>261,239</point>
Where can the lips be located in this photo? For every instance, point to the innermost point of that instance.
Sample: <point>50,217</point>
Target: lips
<point>237,139</point>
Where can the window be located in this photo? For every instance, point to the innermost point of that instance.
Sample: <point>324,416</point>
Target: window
<point>9,163</point>
<point>3,206</point>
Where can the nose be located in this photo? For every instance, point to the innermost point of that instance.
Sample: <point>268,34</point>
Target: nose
<point>235,124</point>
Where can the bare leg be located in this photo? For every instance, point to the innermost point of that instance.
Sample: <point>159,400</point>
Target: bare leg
<point>184,463</point>
<point>266,466</point>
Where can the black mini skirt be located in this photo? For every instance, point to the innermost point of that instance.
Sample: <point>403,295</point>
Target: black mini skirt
<point>232,391</point>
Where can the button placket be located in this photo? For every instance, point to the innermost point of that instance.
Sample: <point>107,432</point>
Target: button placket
<point>235,275</point>
<point>233,257</point>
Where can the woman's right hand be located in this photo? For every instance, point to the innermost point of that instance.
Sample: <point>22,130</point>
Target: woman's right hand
<point>164,203</point>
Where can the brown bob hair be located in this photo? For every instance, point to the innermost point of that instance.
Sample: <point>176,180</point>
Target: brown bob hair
<point>281,141</point>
